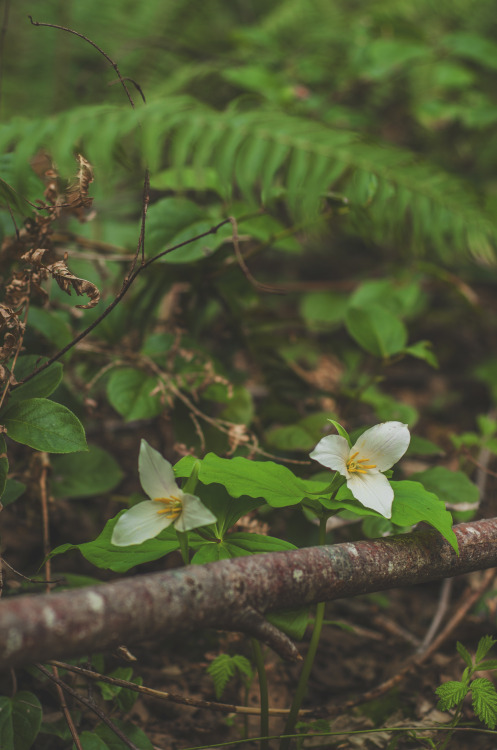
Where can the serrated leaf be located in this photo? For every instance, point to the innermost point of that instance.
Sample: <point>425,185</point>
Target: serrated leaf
<point>45,426</point>
<point>133,394</point>
<point>450,693</point>
<point>224,667</point>
<point>85,474</point>
<point>484,645</point>
<point>487,664</point>
<point>464,654</point>
<point>484,699</point>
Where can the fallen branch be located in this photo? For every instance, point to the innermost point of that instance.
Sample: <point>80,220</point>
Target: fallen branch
<point>232,594</point>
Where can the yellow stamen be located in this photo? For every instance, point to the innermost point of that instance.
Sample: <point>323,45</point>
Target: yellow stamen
<point>173,506</point>
<point>358,465</point>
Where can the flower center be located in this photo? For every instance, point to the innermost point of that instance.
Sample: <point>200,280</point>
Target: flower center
<point>173,506</point>
<point>358,465</point>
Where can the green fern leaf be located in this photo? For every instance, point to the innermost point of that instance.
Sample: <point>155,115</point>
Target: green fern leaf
<point>224,667</point>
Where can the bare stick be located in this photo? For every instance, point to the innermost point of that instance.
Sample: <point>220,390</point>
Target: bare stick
<point>99,49</point>
<point>89,704</point>
<point>232,594</point>
<point>224,708</point>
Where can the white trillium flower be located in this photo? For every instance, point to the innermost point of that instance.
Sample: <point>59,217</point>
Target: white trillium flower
<point>168,503</point>
<point>376,450</point>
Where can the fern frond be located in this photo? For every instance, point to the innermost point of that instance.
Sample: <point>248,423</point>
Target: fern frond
<point>269,154</point>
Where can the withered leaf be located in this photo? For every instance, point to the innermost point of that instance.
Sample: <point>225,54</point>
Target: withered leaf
<point>67,281</point>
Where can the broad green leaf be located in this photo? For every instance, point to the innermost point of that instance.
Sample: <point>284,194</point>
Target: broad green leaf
<point>388,408</point>
<point>401,298</point>
<point>301,436</point>
<point>51,324</point>
<point>102,553</point>
<point>20,721</point>
<point>413,503</point>
<point>267,229</point>
<point>13,490</point>
<point>41,386</point>
<point>93,472</point>
<point>171,221</point>
<point>323,309</point>
<point>90,741</point>
<point>423,350</point>
<point>227,509</point>
<point>44,426</point>
<point>266,479</point>
<point>135,735</point>
<point>110,691</point>
<point>420,446</point>
<point>294,623</point>
<point>6,729</point>
<point>376,330</point>
<point>239,544</point>
<point>450,486</point>
<point>133,394</point>
<point>290,438</point>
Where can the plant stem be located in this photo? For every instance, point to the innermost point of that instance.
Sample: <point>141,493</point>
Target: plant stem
<point>263,692</point>
<point>309,659</point>
<point>183,545</point>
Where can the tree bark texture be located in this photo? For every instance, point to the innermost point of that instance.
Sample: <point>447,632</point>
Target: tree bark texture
<point>231,594</point>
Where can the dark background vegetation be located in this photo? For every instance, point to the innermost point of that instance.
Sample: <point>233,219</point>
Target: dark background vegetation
<point>355,143</point>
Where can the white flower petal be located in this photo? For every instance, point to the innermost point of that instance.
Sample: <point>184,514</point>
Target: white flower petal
<point>333,451</point>
<point>139,523</point>
<point>156,474</point>
<point>383,444</point>
<point>194,514</point>
<point>373,490</point>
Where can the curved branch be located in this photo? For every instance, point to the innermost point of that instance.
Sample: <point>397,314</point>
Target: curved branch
<point>232,594</point>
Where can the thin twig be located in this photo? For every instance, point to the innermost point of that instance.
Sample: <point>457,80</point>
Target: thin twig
<point>244,267</point>
<point>443,604</point>
<point>170,697</point>
<point>45,466</point>
<point>99,49</point>
<point>128,282</point>
<point>89,704</point>
<point>466,601</point>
